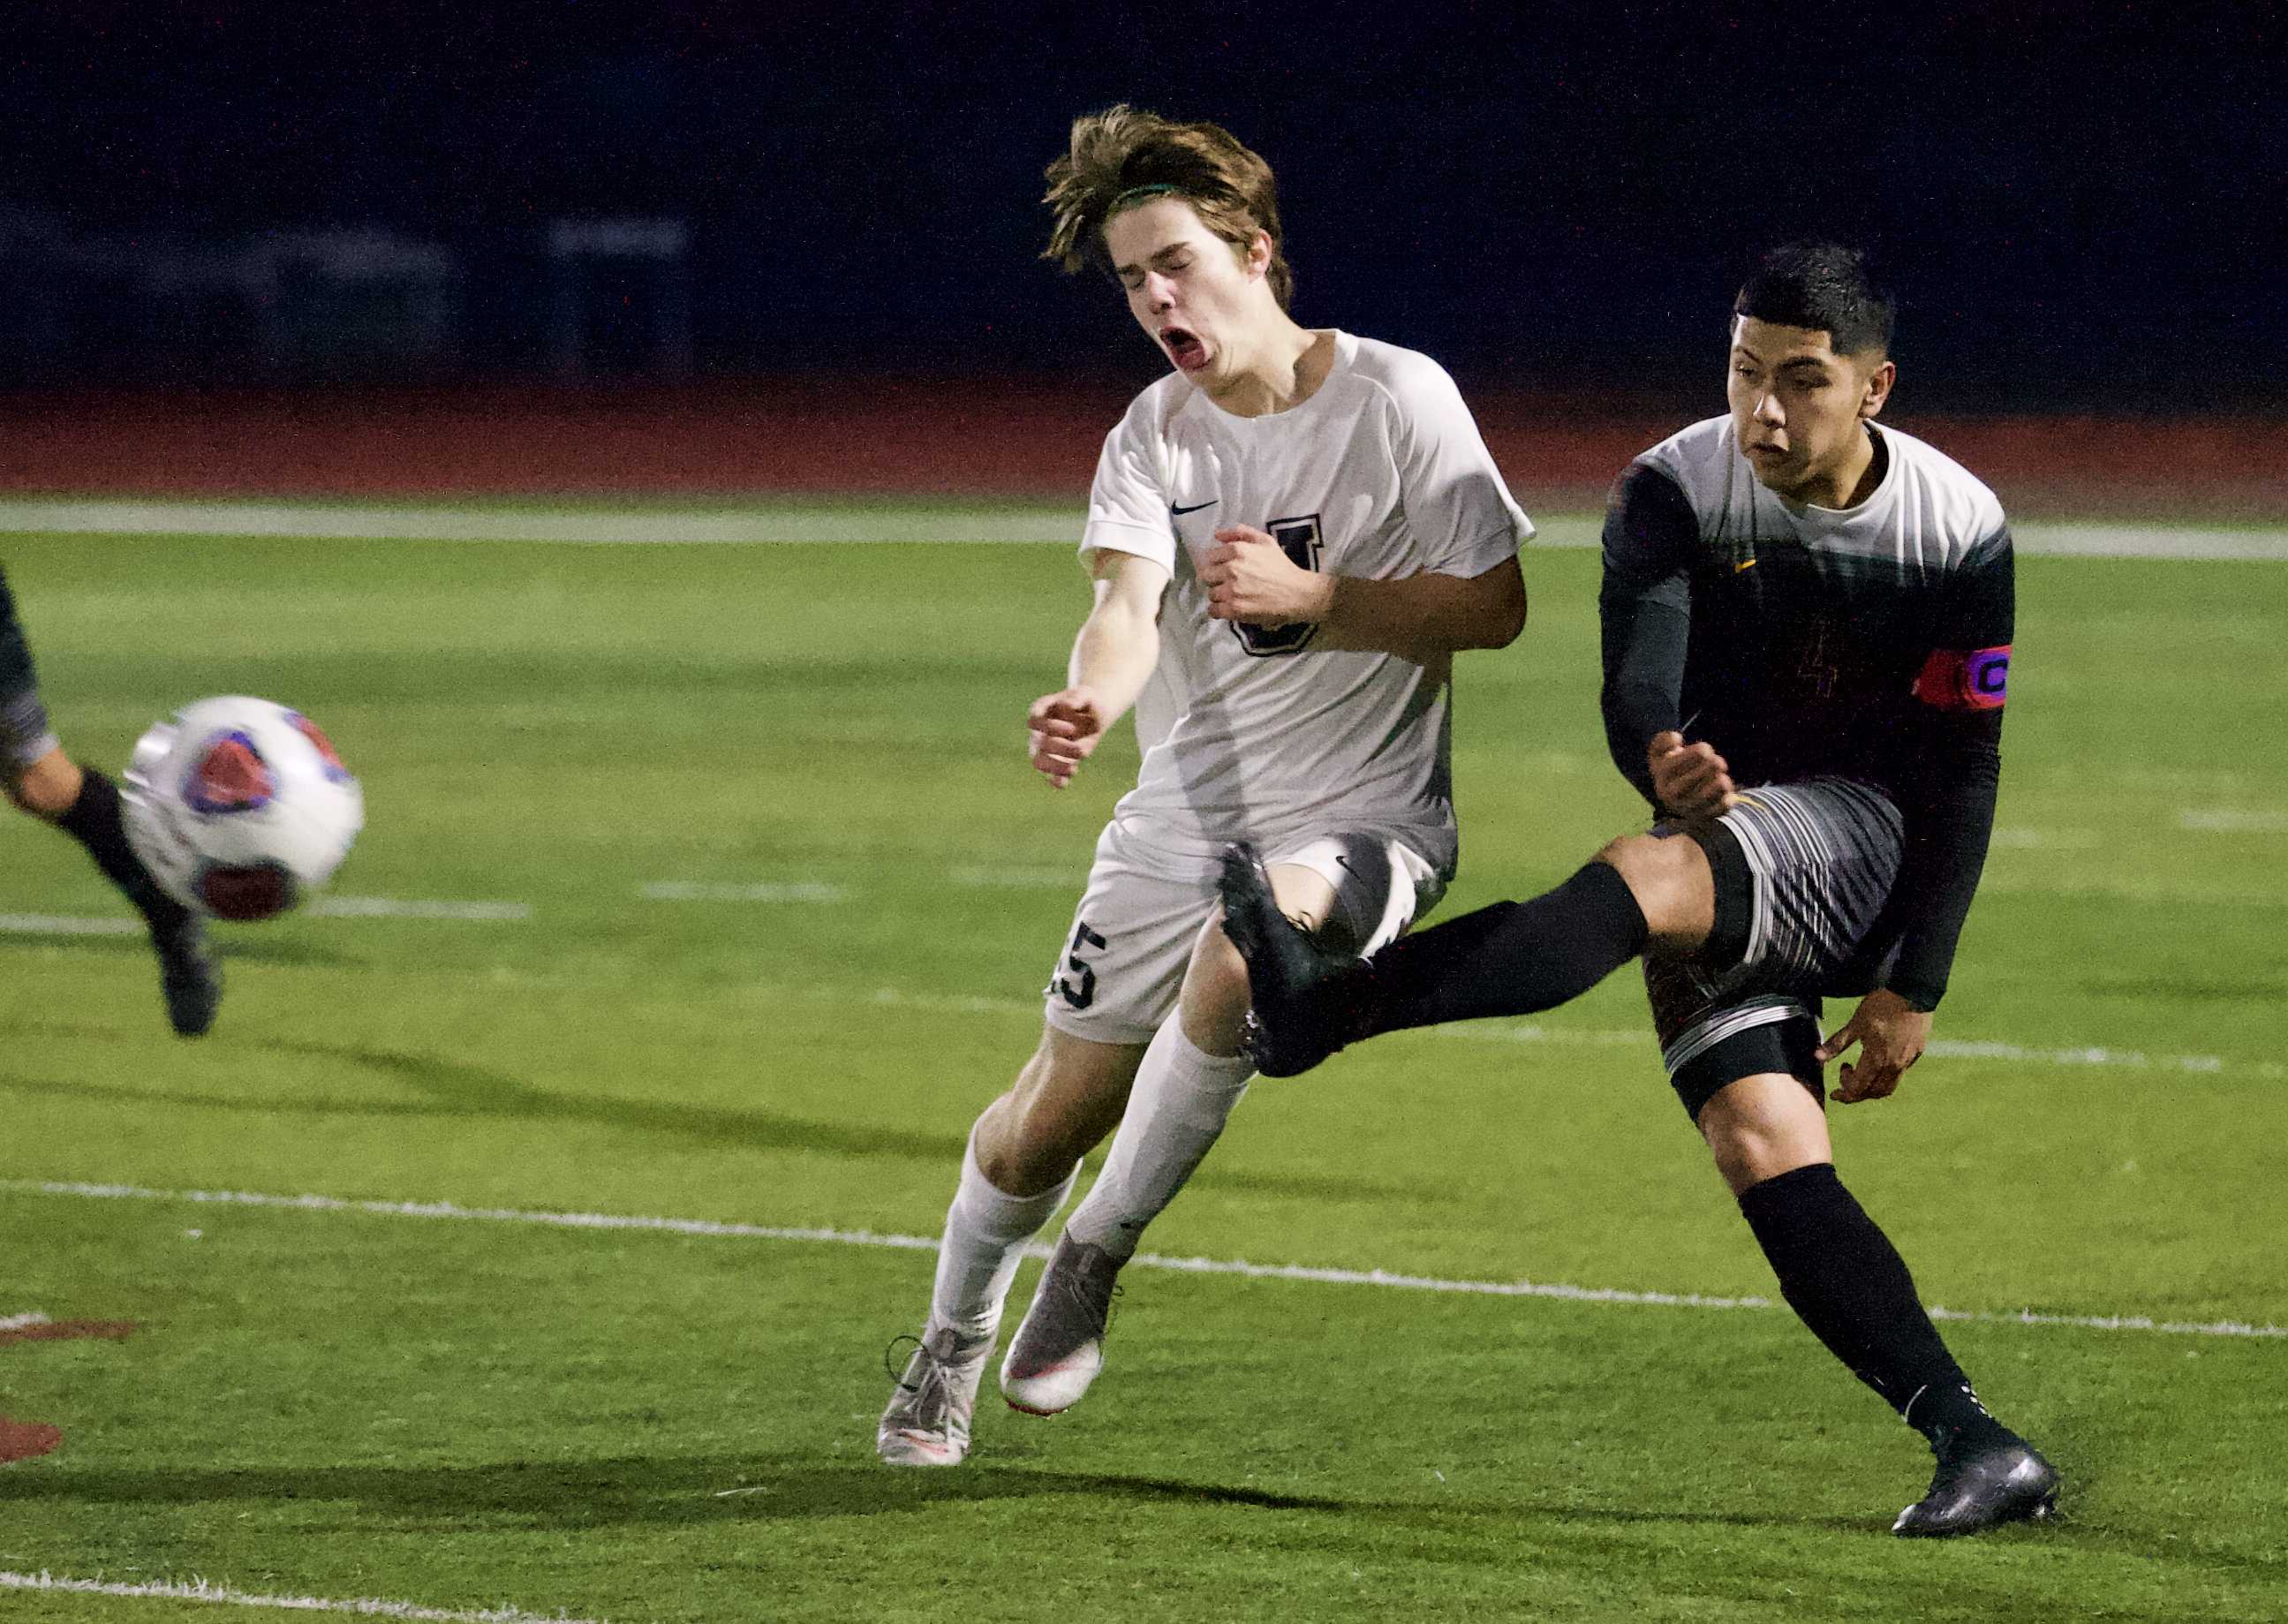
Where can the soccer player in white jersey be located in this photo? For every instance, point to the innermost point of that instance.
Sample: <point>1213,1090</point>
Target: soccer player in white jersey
<point>1829,605</point>
<point>1291,536</point>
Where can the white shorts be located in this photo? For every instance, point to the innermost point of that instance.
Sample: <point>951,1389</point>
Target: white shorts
<point>1122,965</point>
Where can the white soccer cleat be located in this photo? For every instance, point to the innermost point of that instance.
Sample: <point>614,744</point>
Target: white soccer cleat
<point>927,1421</point>
<point>1060,1348</point>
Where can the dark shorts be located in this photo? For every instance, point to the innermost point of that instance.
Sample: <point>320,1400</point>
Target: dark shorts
<point>24,735</point>
<point>1803,873</point>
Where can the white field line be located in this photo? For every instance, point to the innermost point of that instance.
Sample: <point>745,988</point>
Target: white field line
<point>697,891</point>
<point>840,525</point>
<point>2226,820</point>
<point>200,1591</point>
<point>68,924</point>
<point>1387,1279</point>
<point>380,521</point>
<point>323,907</point>
<point>401,908</point>
<point>2132,891</point>
<point>2086,1055</point>
<point>23,1322</point>
<point>979,878</point>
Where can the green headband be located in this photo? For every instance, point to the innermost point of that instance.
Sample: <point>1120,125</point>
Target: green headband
<point>1137,194</point>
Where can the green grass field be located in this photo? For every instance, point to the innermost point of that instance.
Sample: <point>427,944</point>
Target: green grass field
<point>461,1412</point>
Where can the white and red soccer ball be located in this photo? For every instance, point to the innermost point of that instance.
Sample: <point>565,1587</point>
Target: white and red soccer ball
<point>239,808</point>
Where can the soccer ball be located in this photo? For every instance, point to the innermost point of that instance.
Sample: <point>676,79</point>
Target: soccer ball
<point>239,808</point>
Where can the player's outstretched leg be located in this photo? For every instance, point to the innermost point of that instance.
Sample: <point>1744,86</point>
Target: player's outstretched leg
<point>1508,958</point>
<point>1306,1002</point>
<point>1058,1349</point>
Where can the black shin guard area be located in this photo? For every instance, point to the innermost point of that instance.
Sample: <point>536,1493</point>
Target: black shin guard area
<point>97,823</point>
<point>1513,957</point>
<point>1846,1282</point>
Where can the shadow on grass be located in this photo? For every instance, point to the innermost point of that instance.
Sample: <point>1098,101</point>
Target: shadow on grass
<point>457,1089</point>
<point>686,1490</point>
<point>632,1490</point>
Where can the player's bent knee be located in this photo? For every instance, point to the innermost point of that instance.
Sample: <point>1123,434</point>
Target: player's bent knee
<point>1671,880</point>
<point>1761,1126</point>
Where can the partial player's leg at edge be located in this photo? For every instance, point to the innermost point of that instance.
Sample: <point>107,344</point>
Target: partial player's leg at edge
<point>38,778</point>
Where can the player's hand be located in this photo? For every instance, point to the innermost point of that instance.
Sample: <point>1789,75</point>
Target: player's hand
<point>1249,576</point>
<point>1062,730</point>
<point>1689,780</point>
<point>1890,1034</point>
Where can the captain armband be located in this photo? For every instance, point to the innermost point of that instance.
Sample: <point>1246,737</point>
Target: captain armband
<point>1965,679</point>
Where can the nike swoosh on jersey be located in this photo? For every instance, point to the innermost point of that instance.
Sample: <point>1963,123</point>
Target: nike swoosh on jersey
<point>1194,507</point>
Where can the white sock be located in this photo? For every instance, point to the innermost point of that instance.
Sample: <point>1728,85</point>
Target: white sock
<point>985,1236</point>
<point>1183,1095</point>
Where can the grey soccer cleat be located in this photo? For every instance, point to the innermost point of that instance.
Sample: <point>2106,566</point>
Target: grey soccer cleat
<point>926,1422</point>
<point>1059,1348</point>
<point>190,976</point>
<point>1977,1488</point>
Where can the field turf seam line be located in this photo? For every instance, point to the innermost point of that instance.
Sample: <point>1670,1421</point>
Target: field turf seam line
<point>1307,1274</point>
<point>200,1591</point>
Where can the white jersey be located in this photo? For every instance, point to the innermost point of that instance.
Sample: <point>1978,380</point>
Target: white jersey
<point>1926,516</point>
<point>1380,473</point>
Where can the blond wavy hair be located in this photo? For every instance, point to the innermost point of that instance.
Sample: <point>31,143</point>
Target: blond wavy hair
<point>1123,156</point>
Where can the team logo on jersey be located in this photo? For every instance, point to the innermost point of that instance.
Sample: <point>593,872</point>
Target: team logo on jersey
<point>1965,679</point>
<point>230,775</point>
<point>1301,541</point>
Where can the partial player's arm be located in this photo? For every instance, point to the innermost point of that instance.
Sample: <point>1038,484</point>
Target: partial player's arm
<point>1644,608</point>
<point>1949,818</point>
<point>1958,694</point>
<point>1249,577</point>
<point>1112,658</point>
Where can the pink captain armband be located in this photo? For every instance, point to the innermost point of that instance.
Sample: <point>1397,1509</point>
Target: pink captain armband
<point>1965,679</point>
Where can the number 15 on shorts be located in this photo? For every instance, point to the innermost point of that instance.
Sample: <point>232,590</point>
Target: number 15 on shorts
<point>1078,989</point>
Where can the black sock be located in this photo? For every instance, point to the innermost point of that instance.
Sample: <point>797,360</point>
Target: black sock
<point>1511,959</point>
<point>95,821</point>
<point>1845,1279</point>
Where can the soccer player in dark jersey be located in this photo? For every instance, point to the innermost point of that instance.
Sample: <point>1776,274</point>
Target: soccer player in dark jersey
<point>1806,624</point>
<point>38,776</point>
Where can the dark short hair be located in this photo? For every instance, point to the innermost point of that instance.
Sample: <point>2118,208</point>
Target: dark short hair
<point>1822,287</point>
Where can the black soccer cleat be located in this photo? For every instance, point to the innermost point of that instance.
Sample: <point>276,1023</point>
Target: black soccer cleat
<point>1306,1001</point>
<point>1976,1488</point>
<point>190,976</point>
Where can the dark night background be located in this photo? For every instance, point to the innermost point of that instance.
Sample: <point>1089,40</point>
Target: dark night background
<point>2081,206</point>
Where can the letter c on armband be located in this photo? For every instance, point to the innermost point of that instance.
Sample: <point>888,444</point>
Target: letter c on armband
<point>1965,679</point>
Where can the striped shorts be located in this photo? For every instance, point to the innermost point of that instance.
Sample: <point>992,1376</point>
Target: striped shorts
<point>1803,872</point>
<point>24,735</point>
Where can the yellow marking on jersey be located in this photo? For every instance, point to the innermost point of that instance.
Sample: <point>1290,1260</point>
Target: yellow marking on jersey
<point>1750,564</point>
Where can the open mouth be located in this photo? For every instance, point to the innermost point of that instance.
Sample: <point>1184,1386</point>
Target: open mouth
<point>1184,347</point>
